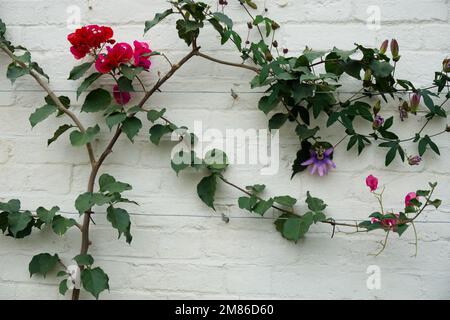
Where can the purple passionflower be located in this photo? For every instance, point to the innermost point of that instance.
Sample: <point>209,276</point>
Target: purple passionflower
<point>414,160</point>
<point>378,122</point>
<point>320,161</point>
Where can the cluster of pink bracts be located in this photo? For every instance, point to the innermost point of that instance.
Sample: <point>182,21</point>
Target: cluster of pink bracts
<point>91,39</point>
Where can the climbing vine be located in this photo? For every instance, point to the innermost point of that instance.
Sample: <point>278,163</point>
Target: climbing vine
<point>293,84</point>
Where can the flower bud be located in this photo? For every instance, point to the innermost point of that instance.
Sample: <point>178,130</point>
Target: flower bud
<point>414,103</point>
<point>367,78</point>
<point>377,122</point>
<point>395,50</point>
<point>403,109</point>
<point>446,65</point>
<point>377,107</point>
<point>285,50</point>
<point>447,128</point>
<point>414,160</point>
<point>275,25</point>
<point>269,56</point>
<point>275,44</point>
<point>384,46</point>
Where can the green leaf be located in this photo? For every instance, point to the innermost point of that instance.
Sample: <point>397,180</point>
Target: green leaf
<point>188,30</point>
<point>12,205</point>
<point>19,221</point>
<point>109,184</point>
<point>295,227</point>
<point>153,115</point>
<point>130,72</point>
<point>14,72</point>
<point>87,200</point>
<point>304,132</point>
<point>158,18</point>
<point>125,85</point>
<point>47,215</point>
<point>262,206</point>
<point>120,220</point>
<point>224,19</point>
<point>4,221</point>
<point>114,119</point>
<point>131,127</point>
<point>63,287</point>
<point>315,204</point>
<point>390,156</point>
<point>79,71</point>
<point>94,281</point>
<point>60,224</point>
<point>87,83</point>
<point>42,264</point>
<point>157,131</point>
<point>97,100</point>
<point>256,188</point>
<point>79,139</point>
<point>436,203</point>
<point>216,160</point>
<point>58,133</point>
<point>84,260</point>
<point>401,228</point>
<point>2,28</point>
<point>42,113</point>
<point>277,120</point>
<point>381,69</point>
<point>268,103</point>
<point>285,201</point>
<point>247,203</point>
<point>84,202</point>
<point>206,190</point>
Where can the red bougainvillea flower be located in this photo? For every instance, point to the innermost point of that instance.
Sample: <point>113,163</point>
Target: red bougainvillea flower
<point>372,182</point>
<point>121,97</point>
<point>120,53</point>
<point>320,161</point>
<point>88,38</point>
<point>141,55</point>
<point>409,197</point>
<point>387,222</point>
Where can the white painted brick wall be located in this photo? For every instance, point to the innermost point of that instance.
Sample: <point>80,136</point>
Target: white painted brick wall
<point>204,257</point>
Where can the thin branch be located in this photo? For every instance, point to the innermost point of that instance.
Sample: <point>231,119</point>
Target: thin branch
<point>238,65</point>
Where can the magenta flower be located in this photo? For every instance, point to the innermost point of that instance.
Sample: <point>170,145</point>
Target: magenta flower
<point>409,197</point>
<point>121,98</point>
<point>320,161</point>
<point>372,183</point>
<point>142,55</point>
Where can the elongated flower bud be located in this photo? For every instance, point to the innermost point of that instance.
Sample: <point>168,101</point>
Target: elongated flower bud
<point>384,46</point>
<point>414,102</point>
<point>395,50</point>
<point>377,107</point>
<point>446,65</point>
<point>367,78</point>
